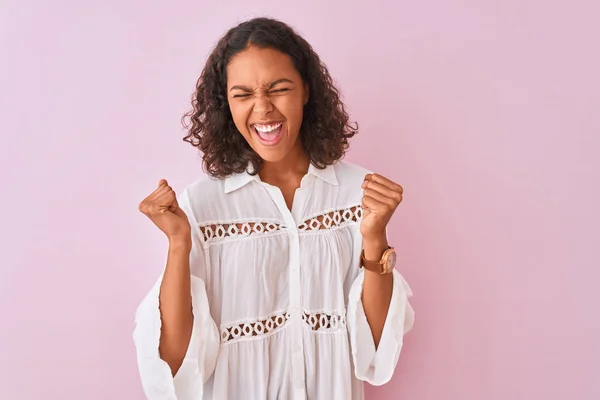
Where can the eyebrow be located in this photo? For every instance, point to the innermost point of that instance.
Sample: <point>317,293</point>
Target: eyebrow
<point>271,85</point>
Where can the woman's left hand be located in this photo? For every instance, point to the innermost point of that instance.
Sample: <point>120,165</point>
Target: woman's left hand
<point>380,199</point>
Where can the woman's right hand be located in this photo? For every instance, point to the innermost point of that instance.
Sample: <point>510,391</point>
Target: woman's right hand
<point>163,210</point>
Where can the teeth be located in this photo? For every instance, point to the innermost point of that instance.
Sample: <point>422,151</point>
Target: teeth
<point>267,128</point>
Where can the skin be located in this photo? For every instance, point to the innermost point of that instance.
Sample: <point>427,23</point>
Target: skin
<point>175,291</point>
<point>264,86</point>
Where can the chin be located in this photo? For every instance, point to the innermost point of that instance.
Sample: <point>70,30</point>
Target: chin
<point>273,155</point>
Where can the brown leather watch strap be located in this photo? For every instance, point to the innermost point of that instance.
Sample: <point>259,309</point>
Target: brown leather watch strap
<point>374,266</point>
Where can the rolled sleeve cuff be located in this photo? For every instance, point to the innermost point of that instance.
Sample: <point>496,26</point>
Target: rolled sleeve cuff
<point>200,358</point>
<point>376,365</point>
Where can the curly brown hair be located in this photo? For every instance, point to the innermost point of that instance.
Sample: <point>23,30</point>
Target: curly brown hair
<point>325,129</point>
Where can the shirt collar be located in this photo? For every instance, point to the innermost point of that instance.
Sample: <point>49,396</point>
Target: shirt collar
<point>328,174</point>
<point>236,181</point>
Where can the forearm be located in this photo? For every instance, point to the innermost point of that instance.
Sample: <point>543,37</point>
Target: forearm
<point>377,289</point>
<point>176,306</point>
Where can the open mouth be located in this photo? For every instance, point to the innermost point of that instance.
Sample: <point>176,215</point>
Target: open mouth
<point>269,134</point>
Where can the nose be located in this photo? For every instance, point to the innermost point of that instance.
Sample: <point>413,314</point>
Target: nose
<point>262,105</point>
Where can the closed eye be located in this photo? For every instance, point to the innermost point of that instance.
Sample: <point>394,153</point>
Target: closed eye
<point>246,95</point>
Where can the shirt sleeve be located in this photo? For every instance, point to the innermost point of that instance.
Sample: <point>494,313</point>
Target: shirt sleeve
<point>376,365</point>
<point>201,356</point>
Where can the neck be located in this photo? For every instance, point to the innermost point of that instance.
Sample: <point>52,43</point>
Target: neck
<point>290,169</point>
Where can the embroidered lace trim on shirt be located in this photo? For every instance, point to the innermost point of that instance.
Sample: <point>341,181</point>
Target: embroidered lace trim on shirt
<point>332,219</point>
<point>255,328</point>
<point>234,230</point>
<point>324,321</point>
<point>321,321</point>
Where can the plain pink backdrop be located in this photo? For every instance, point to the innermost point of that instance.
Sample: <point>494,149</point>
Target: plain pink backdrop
<point>486,112</point>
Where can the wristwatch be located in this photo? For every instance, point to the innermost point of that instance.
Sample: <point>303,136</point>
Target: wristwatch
<point>383,266</point>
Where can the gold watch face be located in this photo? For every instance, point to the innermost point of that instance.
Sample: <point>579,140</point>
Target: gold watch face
<point>390,261</point>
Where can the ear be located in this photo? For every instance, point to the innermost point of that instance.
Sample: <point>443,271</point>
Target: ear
<point>306,93</point>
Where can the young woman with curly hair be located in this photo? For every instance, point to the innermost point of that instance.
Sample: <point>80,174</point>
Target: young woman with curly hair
<point>279,281</point>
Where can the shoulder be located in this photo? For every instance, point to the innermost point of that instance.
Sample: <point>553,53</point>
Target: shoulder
<point>350,177</point>
<point>350,173</point>
<point>204,188</point>
<point>198,195</point>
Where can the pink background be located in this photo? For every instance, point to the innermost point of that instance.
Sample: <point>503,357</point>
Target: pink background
<point>487,113</point>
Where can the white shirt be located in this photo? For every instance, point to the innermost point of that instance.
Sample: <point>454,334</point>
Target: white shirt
<point>276,295</point>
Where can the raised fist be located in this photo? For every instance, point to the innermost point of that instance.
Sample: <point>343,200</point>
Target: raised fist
<point>162,209</point>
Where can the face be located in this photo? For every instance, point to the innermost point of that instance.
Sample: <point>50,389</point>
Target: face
<point>266,97</point>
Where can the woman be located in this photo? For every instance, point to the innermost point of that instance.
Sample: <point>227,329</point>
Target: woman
<point>284,304</point>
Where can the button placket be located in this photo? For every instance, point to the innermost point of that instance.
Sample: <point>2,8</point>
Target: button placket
<point>295,293</point>
<point>296,305</point>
